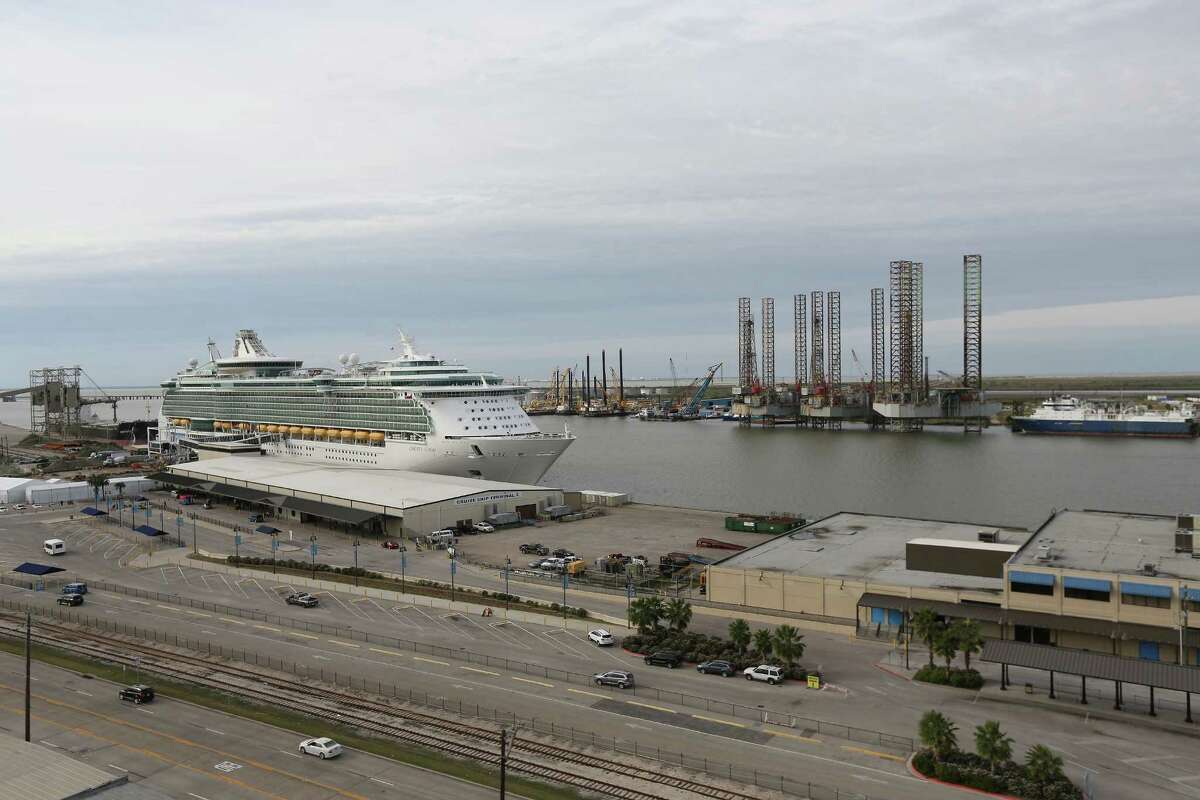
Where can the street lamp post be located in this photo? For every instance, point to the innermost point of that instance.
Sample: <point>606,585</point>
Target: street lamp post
<point>237,546</point>
<point>312,549</point>
<point>403,564</point>
<point>453,570</point>
<point>564,593</point>
<point>274,551</point>
<point>628,598</point>
<point>356,544</point>
<point>507,569</point>
<point>194,550</point>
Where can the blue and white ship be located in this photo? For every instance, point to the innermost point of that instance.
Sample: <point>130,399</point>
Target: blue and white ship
<point>1069,415</point>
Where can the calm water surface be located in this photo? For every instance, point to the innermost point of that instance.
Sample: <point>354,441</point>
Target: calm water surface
<point>994,478</point>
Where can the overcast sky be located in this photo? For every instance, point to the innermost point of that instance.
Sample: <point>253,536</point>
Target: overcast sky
<point>518,184</point>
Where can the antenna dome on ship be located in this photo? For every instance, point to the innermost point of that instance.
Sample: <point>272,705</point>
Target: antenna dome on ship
<point>353,358</point>
<point>193,363</point>
<point>342,359</point>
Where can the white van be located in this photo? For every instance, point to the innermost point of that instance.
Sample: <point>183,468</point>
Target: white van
<point>55,547</point>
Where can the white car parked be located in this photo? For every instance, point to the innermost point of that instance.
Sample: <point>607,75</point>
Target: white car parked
<point>764,672</point>
<point>483,527</point>
<point>323,747</point>
<point>601,637</point>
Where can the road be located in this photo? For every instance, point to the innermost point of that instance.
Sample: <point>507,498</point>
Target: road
<point>1125,759</point>
<point>193,753</point>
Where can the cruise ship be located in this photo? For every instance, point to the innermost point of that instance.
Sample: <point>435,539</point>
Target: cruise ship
<point>1069,415</point>
<point>412,412</point>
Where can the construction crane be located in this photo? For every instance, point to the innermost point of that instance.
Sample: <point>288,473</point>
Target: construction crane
<point>693,405</point>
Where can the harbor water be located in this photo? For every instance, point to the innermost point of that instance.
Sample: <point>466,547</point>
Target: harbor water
<point>997,477</point>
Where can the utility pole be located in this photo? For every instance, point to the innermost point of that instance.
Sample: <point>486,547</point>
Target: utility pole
<point>1183,622</point>
<point>28,665</point>
<point>505,746</point>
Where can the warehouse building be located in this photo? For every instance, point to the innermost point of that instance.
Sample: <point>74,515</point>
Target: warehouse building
<point>376,500</point>
<point>1121,584</point>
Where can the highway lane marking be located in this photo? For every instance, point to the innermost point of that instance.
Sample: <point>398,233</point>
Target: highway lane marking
<point>483,671</point>
<point>385,783</point>
<point>139,602</point>
<point>381,650</point>
<point>1140,760</point>
<point>197,796</point>
<point>305,635</point>
<point>343,644</point>
<point>591,694</point>
<point>720,721</point>
<point>323,658</point>
<point>876,753</point>
<point>866,778</point>
<point>119,769</point>
<point>538,683</point>
<point>267,628</point>
<point>159,734</point>
<point>213,730</point>
<point>431,660</point>
<point>290,753</point>
<point>808,739</point>
<point>234,621</point>
<point>82,692</point>
<point>49,744</point>
<point>146,711</point>
<point>196,613</point>
<point>647,705</point>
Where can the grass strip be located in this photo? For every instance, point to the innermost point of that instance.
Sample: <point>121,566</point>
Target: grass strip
<point>297,723</point>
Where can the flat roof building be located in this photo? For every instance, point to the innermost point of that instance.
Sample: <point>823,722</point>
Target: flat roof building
<point>421,502</point>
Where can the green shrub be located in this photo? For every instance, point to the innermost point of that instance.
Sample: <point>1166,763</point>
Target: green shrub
<point>925,763</point>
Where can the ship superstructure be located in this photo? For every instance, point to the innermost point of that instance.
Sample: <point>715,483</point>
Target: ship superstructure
<point>1069,415</point>
<point>411,412</point>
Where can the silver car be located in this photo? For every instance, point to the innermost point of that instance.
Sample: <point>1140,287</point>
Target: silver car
<point>323,747</point>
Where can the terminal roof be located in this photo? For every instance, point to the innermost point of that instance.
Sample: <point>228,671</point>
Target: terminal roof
<point>1109,541</point>
<point>868,547</point>
<point>383,487</point>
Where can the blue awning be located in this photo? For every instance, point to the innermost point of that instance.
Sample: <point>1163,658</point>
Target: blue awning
<point>149,531</point>
<point>29,568</point>
<point>1192,594</point>
<point>1089,584</point>
<point>1036,578</point>
<point>92,511</point>
<point>1145,589</point>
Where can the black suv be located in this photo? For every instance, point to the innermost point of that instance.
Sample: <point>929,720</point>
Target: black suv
<point>722,668</point>
<point>535,549</point>
<point>138,693</point>
<point>302,599</point>
<point>665,658</point>
<point>562,552</point>
<point>70,599</point>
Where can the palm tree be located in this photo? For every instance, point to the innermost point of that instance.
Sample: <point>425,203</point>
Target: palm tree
<point>925,625</point>
<point>938,734</point>
<point>788,644</point>
<point>992,744</point>
<point>97,482</point>
<point>764,642</point>
<point>646,613</point>
<point>969,639</point>
<point>678,613</point>
<point>945,644</point>
<point>1042,764</point>
<point>739,634</point>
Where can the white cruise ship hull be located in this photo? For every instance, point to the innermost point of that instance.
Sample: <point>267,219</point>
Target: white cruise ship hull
<point>508,459</point>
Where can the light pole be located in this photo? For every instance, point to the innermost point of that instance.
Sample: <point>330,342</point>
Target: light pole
<point>564,593</point>
<point>274,550</point>
<point>356,544</point>
<point>28,674</point>
<point>312,549</point>
<point>403,564</point>
<point>628,598</point>
<point>237,546</point>
<point>507,569</point>
<point>453,570</point>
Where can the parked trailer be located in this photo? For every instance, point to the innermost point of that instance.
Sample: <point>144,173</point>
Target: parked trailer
<point>717,544</point>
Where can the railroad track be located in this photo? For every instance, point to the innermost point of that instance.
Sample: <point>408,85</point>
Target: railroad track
<point>347,709</point>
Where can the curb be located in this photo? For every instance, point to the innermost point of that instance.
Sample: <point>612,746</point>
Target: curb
<point>894,674</point>
<point>923,777</point>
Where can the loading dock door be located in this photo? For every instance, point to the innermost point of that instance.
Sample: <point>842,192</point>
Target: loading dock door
<point>527,512</point>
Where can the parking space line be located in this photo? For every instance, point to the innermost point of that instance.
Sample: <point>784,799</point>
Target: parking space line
<point>516,640</point>
<point>538,683</point>
<point>399,617</point>
<point>590,694</point>
<point>719,721</point>
<point>431,660</point>
<point>485,628</point>
<point>446,625</point>
<point>343,644</point>
<point>875,753</point>
<point>482,671</point>
<point>559,638</point>
<point>656,708</point>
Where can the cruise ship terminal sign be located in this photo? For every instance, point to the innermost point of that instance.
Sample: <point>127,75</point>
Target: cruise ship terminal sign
<point>487,498</point>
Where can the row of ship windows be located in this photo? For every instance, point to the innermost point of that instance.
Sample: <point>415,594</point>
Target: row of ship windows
<point>313,451</point>
<point>259,397</point>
